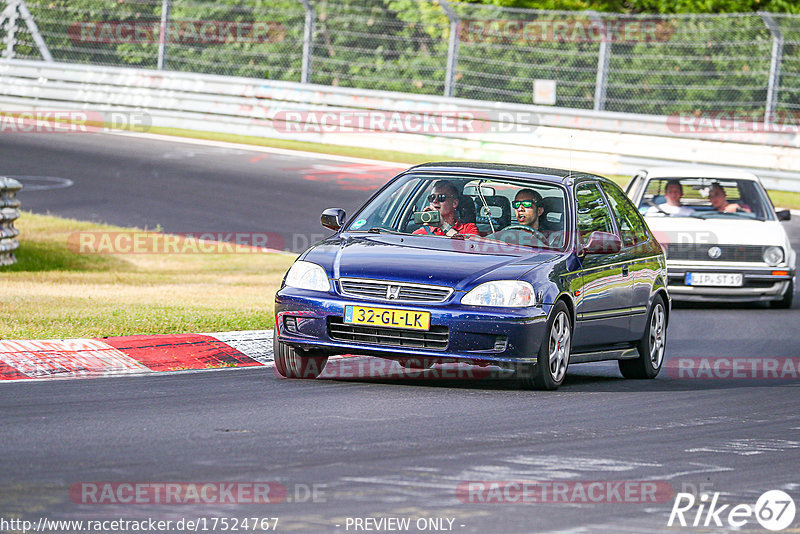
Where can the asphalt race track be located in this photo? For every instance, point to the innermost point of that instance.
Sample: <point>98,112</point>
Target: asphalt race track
<point>372,447</point>
<point>185,188</point>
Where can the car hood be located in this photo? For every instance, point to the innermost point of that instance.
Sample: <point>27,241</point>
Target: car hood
<point>717,231</point>
<point>459,264</point>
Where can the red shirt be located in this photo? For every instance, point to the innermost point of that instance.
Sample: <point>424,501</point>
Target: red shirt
<point>461,228</point>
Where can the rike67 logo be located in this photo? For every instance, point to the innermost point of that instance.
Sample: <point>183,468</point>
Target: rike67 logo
<point>774,510</point>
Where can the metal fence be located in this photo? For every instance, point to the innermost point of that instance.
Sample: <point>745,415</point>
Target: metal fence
<point>741,63</point>
<point>9,212</point>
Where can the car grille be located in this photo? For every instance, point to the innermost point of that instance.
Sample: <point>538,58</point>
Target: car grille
<point>692,251</point>
<point>379,290</point>
<point>435,339</point>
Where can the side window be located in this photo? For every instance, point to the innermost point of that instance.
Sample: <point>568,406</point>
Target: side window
<point>593,214</point>
<point>631,226</point>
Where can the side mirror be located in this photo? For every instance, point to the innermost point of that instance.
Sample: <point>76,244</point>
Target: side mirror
<point>784,215</point>
<point>603,243</point>
<point>333,218</point>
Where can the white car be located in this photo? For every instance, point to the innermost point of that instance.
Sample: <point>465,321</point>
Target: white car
<point>723,238</point>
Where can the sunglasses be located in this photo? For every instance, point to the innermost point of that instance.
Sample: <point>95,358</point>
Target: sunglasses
<point>524,203</point>
<point>441,197</point>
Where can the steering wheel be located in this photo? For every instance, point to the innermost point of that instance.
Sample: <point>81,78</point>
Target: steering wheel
<point>536,233</point>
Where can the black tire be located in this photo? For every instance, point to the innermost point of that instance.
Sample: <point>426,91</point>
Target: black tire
<point>553,358</point>
<point>786,301</point>
<point>293,363</point>
<point>652,346</point>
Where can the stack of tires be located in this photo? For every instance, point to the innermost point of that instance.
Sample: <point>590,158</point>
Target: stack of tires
<point>9,212</point>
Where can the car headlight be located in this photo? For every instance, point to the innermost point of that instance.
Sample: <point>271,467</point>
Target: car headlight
<point>503,293</point>
<point>307,275</point>
<point>773,255</point>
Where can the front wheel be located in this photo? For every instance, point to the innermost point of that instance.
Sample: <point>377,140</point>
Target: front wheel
<point>651,347</point>
<point>293,363</point>
<point>553,358</point>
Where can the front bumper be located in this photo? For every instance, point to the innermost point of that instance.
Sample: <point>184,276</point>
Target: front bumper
<point>473,334</point>
<point>759,283</point>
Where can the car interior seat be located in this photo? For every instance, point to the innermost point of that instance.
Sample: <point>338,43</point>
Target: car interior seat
<point>552,219</point>
<point>465,212</point>
<point>482,218</point>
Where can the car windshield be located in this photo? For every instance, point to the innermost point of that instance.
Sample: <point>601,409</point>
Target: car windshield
<point>466,207</point>
<point>705,198</point>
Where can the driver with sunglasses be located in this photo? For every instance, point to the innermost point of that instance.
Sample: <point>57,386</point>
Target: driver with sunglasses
<point>444,198</point>
<point>528,207</point>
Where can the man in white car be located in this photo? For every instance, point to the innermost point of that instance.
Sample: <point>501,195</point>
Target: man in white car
<point>719,200</point>
<point>672,193</point>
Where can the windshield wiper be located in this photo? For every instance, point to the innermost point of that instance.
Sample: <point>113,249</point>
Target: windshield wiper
<point>378,230</point>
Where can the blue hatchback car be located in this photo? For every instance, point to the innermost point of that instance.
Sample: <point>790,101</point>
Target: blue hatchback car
<point>525,267</point>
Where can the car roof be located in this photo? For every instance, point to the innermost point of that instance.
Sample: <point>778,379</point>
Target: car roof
<point>699,171</point>
<point>506,170</point>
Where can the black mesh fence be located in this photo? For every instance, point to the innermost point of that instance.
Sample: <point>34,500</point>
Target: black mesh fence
<point>641,64</point>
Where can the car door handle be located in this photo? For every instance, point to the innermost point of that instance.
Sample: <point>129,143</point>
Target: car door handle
<point>625,270</point>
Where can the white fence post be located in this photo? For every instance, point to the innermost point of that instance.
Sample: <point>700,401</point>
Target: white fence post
<point>773,85</point>
<point>308,41</point>
<point>452,48</point>
<point>163,37</point>
<point>10,16</point>
<point>603,54</point>
<point>34,29</point>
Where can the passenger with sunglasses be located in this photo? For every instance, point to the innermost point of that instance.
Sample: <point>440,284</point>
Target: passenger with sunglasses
<point>444,198</point>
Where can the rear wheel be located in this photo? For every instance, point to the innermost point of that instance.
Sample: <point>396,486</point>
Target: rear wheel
<point>294,363</point>
<point>651,347</point>
<point>786,301</point>
<point>553,358</point>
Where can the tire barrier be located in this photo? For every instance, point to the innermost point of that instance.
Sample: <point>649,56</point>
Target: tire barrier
<point>9,212</point>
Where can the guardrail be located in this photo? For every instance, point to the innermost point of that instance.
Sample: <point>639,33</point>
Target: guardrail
<point>602,142</point>
<point>9,212</point>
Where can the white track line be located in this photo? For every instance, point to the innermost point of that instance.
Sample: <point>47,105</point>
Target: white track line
<point>257,148</point>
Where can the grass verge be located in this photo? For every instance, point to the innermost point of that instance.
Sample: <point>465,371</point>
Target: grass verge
<point>53,291</point>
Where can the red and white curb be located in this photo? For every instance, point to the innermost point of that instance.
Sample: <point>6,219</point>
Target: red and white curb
<point>73,358</point>
<point>147,354</point>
